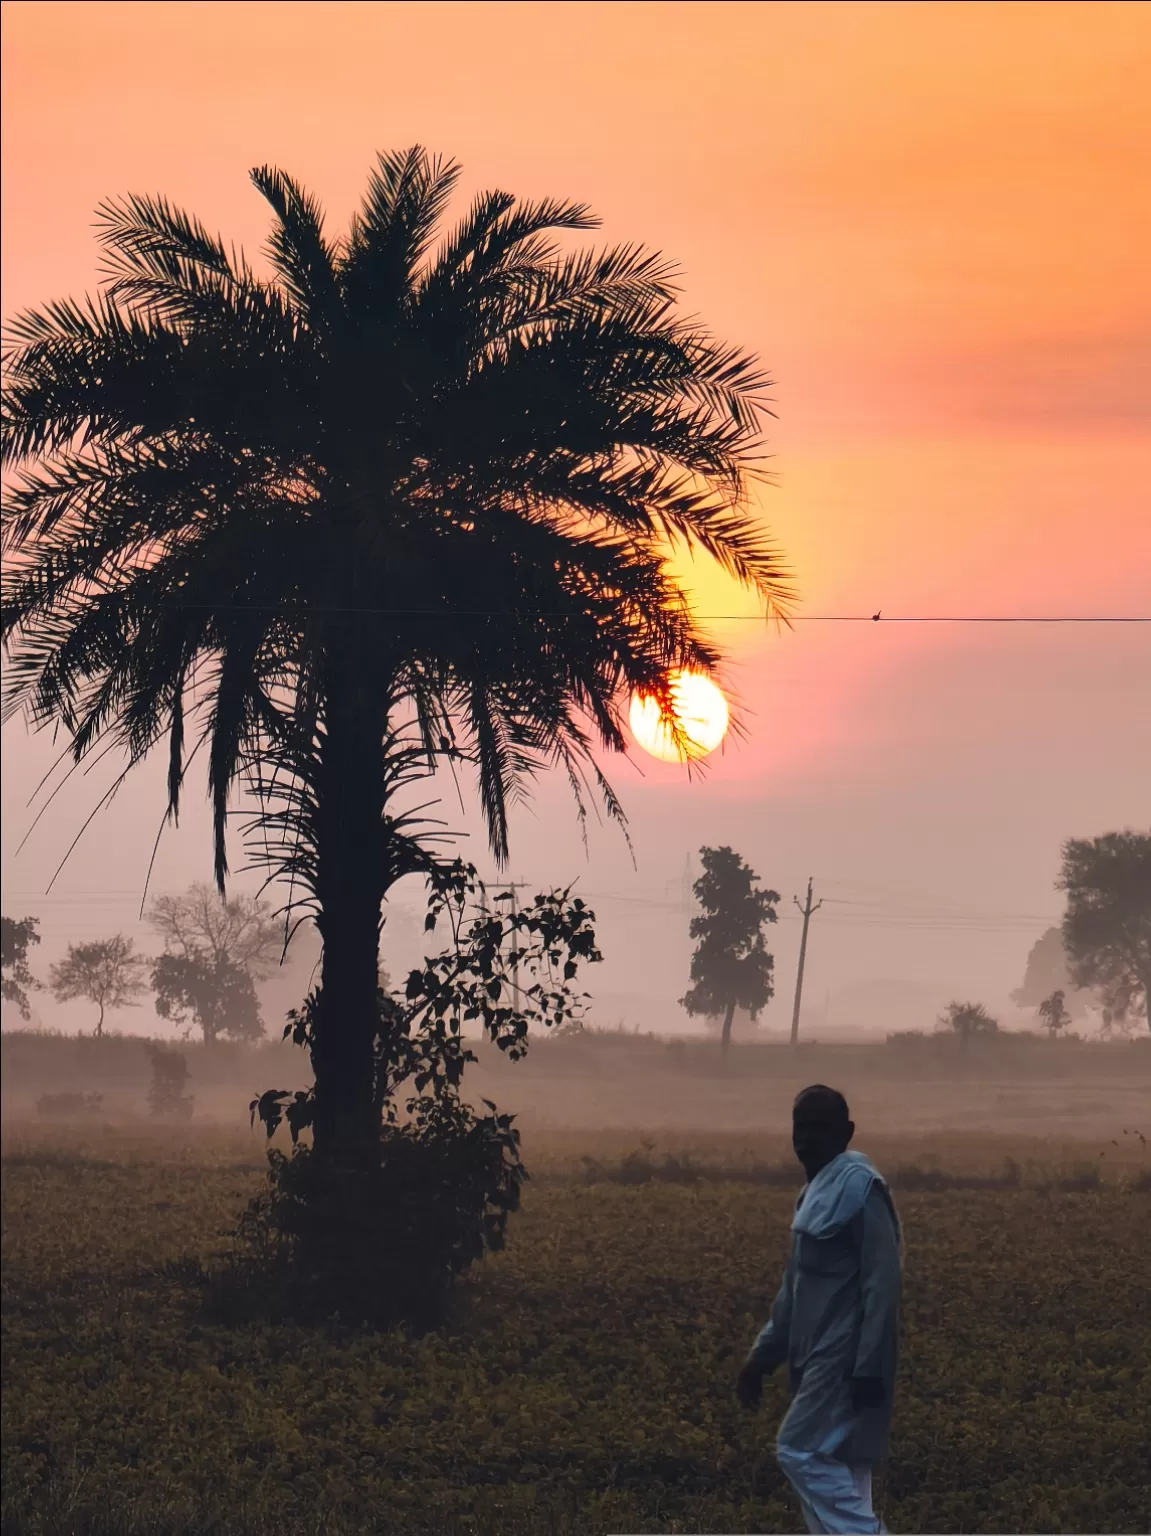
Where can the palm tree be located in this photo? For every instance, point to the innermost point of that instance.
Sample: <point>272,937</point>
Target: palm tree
<point>407,495</point>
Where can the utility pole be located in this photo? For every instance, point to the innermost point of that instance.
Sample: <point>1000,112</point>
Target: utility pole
<point>683,885</point>
<point>807,909</point>
<point>508,893</point>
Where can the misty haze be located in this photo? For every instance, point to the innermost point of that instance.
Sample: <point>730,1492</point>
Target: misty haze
<point>576,828</point>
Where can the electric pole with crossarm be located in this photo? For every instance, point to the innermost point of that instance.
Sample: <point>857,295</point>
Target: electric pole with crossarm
<point>807,909</point>
<point>507,892</point>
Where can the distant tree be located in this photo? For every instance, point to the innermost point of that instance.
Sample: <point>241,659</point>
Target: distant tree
<point>215,952</point>
<point>108,972</point>
<point>1110,1025</point>
<point>218,996</point>
<point>731,967</point>
<point>16,936</point>
<point>1054,1015</point>
<point>1048,970</point>
<point>169,1079</point>
<point>1107,925</point>
<point>202,922</point>
<point>969,1021</point>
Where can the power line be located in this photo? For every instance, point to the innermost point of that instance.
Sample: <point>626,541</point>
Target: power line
<point>914,909</point>
<point>927,919</point>
<point>954,618</point>
<point>745,618</point>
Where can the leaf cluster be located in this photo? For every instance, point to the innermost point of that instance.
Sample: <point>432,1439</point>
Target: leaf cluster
<point>108,972</point>
<point>1107,923</point>
<point>1053,1013</point>
<point>238,929</point>
<point>415,471</point>
<point>968,1020</point>
<point>17,935</point>
<point>382,1236</point>
<point>731,966</point>
<point>505,972</point>
<point>1047,970</point>
<point>216,993</point>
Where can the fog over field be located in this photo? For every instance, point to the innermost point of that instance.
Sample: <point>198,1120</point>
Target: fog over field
<point>934,846</point>
<point>636,516</point>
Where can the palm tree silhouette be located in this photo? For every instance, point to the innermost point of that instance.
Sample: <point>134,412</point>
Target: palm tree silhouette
<point>407,495</point>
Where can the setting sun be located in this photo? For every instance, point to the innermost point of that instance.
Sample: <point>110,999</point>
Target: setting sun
<point>700,711</point>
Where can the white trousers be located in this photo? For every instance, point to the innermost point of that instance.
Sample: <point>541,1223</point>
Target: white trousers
<point>835,1498</point>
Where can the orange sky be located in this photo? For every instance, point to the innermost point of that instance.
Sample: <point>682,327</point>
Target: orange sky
<point>932,221</point>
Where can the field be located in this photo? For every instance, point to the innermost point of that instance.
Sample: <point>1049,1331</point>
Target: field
<point>619,1082</point>
<point>584,1383</point>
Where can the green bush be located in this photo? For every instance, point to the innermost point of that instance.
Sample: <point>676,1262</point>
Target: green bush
<point>381,1240</point>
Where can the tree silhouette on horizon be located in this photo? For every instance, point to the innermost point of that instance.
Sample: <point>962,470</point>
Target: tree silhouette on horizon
<point>731,967</point>
<point>1107,925</point>
<point>109,973</point>
<point>404,500</point>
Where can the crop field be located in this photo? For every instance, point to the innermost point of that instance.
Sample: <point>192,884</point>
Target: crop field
<point>584,1383</point>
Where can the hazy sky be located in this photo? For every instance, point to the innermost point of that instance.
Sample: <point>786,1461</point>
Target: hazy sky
<point>931,221</point>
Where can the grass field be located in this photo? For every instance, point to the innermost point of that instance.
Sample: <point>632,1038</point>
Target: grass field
<point>585,1381</point>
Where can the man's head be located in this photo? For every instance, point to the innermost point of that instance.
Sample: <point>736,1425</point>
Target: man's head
<point>821,1127</point>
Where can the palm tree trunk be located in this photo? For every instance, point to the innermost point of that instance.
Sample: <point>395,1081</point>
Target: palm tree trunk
<point>725,1037</point>
<point>350,882</point>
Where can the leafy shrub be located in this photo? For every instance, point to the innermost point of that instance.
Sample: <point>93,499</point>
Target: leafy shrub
<point>381,1239</point>
<point>378,1232</point>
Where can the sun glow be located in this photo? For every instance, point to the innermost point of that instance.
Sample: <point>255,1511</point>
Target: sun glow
<point>700,712</point>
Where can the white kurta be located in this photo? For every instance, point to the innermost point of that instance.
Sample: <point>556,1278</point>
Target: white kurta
<point>835,1318</point>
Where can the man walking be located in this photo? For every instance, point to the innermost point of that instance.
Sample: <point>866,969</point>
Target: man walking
<point>835,1322</point>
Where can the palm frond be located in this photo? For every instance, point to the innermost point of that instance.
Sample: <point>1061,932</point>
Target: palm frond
<point>225,483</point>
<point>149,235</point>
<point>389,236</point>
<point>303,259</point>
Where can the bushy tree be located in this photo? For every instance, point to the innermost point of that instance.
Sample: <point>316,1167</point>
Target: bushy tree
<point>970,1021</point>
<point>1048,970</point>
<point>17,935</point>
<point>1107,924</point>
<point>108,972</point>
<point>1053,1014</point>
<point>238,929</point>
<point>217,995</point>
<point>216,948</point>
<point>405,499</point>
<point>383,1238</point>
<point>731,967</point>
